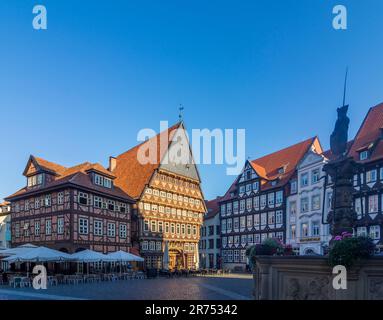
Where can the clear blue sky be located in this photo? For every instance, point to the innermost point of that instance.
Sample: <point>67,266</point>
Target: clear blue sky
<point>81,90</point>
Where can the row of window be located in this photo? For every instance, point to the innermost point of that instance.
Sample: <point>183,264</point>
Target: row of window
<point>102,181</point>
<point>168,210</point>
<point>305,178</point>
<point>169,228</point>
<point>98,228</point>
<point>177,182</point>
<point>210,244</point>
<point>157,246</point>
<point>373,232</point>
<point>249,187</point>
<point>83,228</point>
<point>102,203</point>
<point>82,198</point>
<point>26,228</point>
<point>44,201</point>
<point>35,180</point>
<point>305,204</point>
<point>210,231</point>
<point>173,196</point>
<point>372,205</point>
<point>314,231</point>
<point>229,256</point>
<point>250,239</point>
<point>258,202</point>
<point>368,177</point>
<point>252,221</point>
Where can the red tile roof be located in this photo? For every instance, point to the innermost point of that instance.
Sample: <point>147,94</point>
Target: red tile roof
<point>50,166</point>
<point>74,176</point>
<point>268,167</point>
<point>369,135</point>
<point>212,208</point>
<point>132,176</point>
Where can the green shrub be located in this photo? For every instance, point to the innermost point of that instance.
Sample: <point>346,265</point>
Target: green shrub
<point>349,250</point>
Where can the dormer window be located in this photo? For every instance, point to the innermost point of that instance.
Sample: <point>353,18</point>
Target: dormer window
<point>102,181</point>
<point>35,180</point>
<point>281,170</point>
<point>363,155</point>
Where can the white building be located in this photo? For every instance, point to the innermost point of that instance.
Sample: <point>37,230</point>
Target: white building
<point>306,231</point>
<point>210,240</point>
<point>5,225</point>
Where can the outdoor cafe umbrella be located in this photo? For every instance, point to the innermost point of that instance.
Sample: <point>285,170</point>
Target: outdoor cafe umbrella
<point>39,254</point>
<point>18,250</point>
<point>90,256</point>
<point>122,256</point>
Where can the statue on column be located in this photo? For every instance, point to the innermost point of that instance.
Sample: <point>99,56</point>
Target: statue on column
<point>339,137</point>
<point>341,169</point>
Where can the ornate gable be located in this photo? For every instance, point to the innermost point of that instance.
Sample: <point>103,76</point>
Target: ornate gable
<point>311,157</point>
<point>179,158</point>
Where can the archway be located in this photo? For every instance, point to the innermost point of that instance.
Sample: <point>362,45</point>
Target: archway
<point>309,252</point>
<point>176,259</point>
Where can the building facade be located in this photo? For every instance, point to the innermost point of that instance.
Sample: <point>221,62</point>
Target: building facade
<point>367,151</point>
<point>71,209</point>
<point>307,233</point>
<point>170,203</point>
<point>210,241</point>
<point>5,225</point>
<point>254,207</point>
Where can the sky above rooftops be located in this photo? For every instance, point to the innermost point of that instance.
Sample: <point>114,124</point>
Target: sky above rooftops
<point>81,90</point>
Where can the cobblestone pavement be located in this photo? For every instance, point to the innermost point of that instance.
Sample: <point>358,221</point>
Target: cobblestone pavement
<point>194,288</point>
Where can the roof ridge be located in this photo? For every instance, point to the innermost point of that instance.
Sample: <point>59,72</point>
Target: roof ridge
<point>173,127</point>
<point>285,148</point>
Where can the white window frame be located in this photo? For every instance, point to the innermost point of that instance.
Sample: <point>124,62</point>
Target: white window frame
<point>83,226</point>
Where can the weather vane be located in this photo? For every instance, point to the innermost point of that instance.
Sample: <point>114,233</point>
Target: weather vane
<point>181,108</point>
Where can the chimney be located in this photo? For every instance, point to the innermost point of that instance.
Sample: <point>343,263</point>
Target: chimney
<point>112,163</point>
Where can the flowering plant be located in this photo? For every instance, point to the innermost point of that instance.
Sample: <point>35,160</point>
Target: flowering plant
<point>346,250</point>
<point>344,235</point>
<point>269,247</point>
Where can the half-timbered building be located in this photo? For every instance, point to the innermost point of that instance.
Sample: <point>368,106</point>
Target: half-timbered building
<point>254,207</point>
<point>71,209</point>
<point>170,203</point>
<point>367,151</point>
